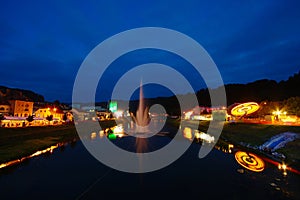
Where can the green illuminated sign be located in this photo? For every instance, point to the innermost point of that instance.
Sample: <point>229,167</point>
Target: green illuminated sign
<point>113,106</point>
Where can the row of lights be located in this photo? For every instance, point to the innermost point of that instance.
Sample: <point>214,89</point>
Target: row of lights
<point>54,109</point>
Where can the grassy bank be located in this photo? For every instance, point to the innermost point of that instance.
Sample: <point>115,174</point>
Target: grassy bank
<point>257,134</point>
<point>19,142</point>
<point>16,143</point>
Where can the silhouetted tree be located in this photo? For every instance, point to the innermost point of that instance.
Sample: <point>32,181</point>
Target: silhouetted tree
<point>65,117</point>
<point>292,105</point>
<point>1,117</point>
<point>49,118</point>
<point>30,118</point>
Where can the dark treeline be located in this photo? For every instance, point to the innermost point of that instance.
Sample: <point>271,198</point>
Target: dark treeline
<point>258,91</point>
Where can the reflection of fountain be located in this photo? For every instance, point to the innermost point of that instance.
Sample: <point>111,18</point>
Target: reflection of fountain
<point>142,115</point>
<point>200,136</point>
<point>141,120</point>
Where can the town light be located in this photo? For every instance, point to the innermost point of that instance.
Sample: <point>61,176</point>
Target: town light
<point>277,112</point>
<point>188,114</point>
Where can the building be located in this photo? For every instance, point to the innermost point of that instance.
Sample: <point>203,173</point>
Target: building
<point>4,109</point>
<point>57,114</point>
<point>21,108</point>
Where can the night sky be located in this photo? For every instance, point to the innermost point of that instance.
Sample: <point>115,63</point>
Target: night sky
<point>43,43</point>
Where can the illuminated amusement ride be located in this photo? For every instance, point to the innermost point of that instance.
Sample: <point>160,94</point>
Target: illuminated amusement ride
<point>241,110</point>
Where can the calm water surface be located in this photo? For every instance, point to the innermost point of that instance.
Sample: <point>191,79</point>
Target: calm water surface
<point>70,172</point>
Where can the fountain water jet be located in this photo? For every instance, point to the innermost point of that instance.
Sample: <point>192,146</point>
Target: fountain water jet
<point>142,118</point>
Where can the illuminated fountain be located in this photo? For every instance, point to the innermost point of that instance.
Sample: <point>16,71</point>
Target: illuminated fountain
<point>142,115</point>
<point>141,120</point>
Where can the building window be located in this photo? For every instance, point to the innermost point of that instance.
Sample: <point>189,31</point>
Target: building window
<point>26,109</point>
<point>2,108</point>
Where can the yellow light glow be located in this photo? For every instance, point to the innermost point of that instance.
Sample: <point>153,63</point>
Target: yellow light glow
<point>207,138</point>
<point>9,163</point>
<point>197,135</point>
<point>277,112</point>
<point>244,108</point>
<point>187,133</point>
<point>283,166</point>
<point>284,173</point>
<point>13,162</point>
<point>101,134</point>
<point>188,114</point>
<point>50,149</point>
<point>250,161</point>
<point>230,146</point>
<point>93,135</point>
<point>118,129</point>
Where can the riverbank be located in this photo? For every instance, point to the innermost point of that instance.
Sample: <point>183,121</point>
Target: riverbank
<point>254,135</point>
<point>16,143</point>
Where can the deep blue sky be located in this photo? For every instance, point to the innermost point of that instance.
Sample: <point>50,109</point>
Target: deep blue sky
<point>42,43</point>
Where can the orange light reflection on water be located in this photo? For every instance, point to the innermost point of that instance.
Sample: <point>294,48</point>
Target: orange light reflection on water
<point>187,133</point>
<point>13,162</point>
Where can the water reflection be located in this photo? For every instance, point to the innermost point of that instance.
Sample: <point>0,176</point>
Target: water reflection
<point>93,135</point>
<point>250,161</point>
<point>190,134</point>
<point>224,147</point>
<point>270,179</point>
<point>187,133</point>
<point>18,161</point>
<point>111,133</point>
<point>284,168</point>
